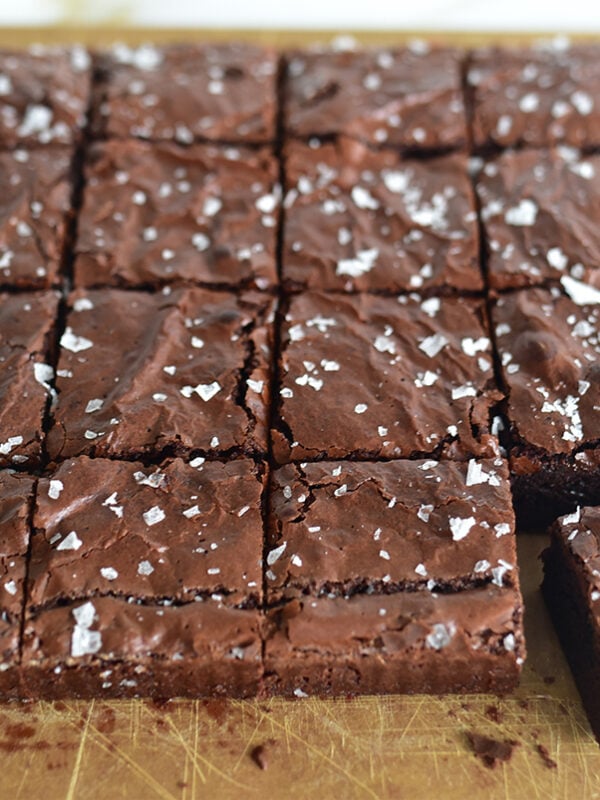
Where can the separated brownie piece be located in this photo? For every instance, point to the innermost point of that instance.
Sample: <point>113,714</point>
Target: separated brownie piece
<point>408,97</point>
<point>154,213</point>
<point>536,97</point>
<point>26,331</point>
<point>35,202</point>
<point>171,372</point>
<point>548,345</point>
<point>183,93</point>
<point>392,577</point>
<point>145,580</point>
<point>44,95</point>
<point>358,219</point>
<point>540,212</point>
<point>571,589</point>
<point>369,376</point>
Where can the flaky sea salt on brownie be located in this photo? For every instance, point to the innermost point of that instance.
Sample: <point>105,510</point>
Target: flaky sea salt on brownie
<point>358,219</point>
<point>539,210</point>
<point>407,97</point>
<point>36,200</point>
<point>156,213</point>
<point>371,376</point>
<point>548,342</point>
<point>174,372</point>
<point>26,330</point>
<point>145,580</point>
<point>183,93</point>
<point>44,95</point>
<point>538,96</point>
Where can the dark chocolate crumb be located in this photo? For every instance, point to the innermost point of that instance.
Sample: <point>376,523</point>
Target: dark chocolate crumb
<point>493,713</point>
<point>491,751</point>
<point>549,679</point>
<point>545,756</point>
<point>259,755</point>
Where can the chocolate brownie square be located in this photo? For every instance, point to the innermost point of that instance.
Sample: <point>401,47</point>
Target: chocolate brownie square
<point>44,95</point>
<point>370,377</point>
<point>358,219</point>
<point>145,580</point>
<point>158,213</point>
<point>26,377</point>
<point>403,97</point>
<point>184,93</point>
<point>536,96</point>
<point>35,204</point>
<point>538,209</point>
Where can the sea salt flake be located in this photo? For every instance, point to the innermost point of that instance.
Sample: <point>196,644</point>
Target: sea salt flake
<point>74,343</point>
<point>440,636</point>
<point>362,263</point>
<point>191,512</point>
<point>153,515</point>
<point>109,573</point>
<point>432,345</point>
<point>55,488</point>
<point>70,542</point>
<point>522,215</point>
<point>460,526</point>
<point>145,568</point>
<point>94,405</point>
<point>275,554</point>
<point>580,293</point>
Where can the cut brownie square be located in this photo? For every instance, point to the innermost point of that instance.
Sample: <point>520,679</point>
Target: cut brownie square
<point>26,332</point>
<point>158,213</point>
<point>548,345</point>
<point>407,97</point>
<point>539,210</point>
<point>183,93</point>
<point>145,580</point>
<point>571,588</point>
<point>536,97</point>
<point>392,577</point>
<point>368,376</point>
<point>358,219</point>
<point>44,95</point>
<point>34,207</point>
<point>179,371</point>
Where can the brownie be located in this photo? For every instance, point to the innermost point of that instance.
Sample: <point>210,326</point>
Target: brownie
<point>571,588</point>
<point>369,377</point>
<point>187,92</point>
<point>538,210</point>
<point>44,95</point>
<point>174,372</point>
<point>406,97</point>
<point>358,219</point>
<point>535,96</point>
<point>34,209</point>
<point>548,345</point>
<point>158,213</point>
<point>145,580</point>
<point>26,376</point>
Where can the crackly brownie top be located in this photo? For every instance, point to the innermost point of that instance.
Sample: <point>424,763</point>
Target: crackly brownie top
<point>539,210</point>
<point>377,376</point>
<point>187,92</point>
<point>549,345</point>
<point>154,213</point>
<point>409,97</point>
<point>36,197</point>
<point>178,371</point>
<point>156,534</point>
<point>363,219</point>
<point>44,95</point>
<point>16,495</point>
<point>348,527</point>
<point>536,97</point>
<point>578,534</point>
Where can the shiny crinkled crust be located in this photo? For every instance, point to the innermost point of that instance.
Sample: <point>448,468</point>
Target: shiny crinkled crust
<point>370,376</point>
<point>158,213</point>
<point>174,372</point>
<point>186,93</point>
<point>362,220</point>
<point>407,97</point>
<point>536,97</point>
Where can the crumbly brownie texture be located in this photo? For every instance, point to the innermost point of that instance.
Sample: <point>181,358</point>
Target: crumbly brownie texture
<point>183,93</point>
<point>35,203</point>
<point>194,375</point>
<point>539,210</point>
<point>410,97</point>
<point>26,330</point>
<point>571,589</point>
<point>44,95</point>
<point>158,213</point>
<point>363,220</point>
<point>370,376</point>
<point>535,97</point>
